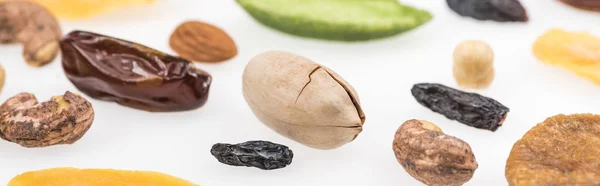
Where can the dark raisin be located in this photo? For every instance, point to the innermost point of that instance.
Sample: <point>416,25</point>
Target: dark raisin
<point>468,108</point>
<point>496,10</point>
<point>260,154</point>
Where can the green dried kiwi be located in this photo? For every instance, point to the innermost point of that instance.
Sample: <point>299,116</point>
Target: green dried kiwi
<point>342,20</point>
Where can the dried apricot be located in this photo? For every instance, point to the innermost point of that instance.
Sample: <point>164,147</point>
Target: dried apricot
<point>577,52</point>
<point>563,150</point>
<point>78,9</point>
<point>95,177</point>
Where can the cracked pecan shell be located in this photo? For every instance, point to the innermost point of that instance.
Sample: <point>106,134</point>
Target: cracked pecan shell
<point>302,100</point>
<point>562,150</point>
<point>62,120</point>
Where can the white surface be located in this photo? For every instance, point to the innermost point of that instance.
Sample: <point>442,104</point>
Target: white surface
<point>381,71</point>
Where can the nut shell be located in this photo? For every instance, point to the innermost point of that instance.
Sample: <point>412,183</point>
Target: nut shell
<point>562,150</point>
<point>302,100</point>
<point>433,157</point>
<point>31,124</point>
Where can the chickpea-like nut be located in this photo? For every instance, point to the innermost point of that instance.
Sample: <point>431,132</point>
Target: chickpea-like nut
<point>473,65</point>
<point>432,157</point>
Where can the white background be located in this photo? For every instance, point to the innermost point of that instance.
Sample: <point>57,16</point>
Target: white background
<point>382,72</point>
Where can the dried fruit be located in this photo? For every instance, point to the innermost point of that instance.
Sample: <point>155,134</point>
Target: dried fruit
<point>473,64</point>
<point>562,150</point>
<point>62,120</point>
<point>344,20</point>
<point>260,154</point>
<point>202,42</point>
<point>95,177</point>
<point>34,27</point>
<point>80,9</point>
<point>468,108</point>
<point>302,100</point>
<point>496,10</point>
<point>577,52</point>
<point>431,156</point>
<point>2,77</point>
<point>131,74</point>
<point>584,4</point>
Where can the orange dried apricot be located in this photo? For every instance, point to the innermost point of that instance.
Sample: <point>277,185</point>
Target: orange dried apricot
<point>577,52</point>
<point>79,9</point>
<point>95,177</point>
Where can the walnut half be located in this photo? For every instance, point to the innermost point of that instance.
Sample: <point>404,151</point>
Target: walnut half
<point>432,157</point>
<point>62,120</point>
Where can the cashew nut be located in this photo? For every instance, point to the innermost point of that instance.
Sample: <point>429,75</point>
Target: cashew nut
<point>432,157</point>
<point>62,120</point>
<point>33,26</point>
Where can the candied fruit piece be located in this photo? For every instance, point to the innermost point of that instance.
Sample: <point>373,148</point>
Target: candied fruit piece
<point>95,177</point>
<point>81,9</point>
<point>577,52</point>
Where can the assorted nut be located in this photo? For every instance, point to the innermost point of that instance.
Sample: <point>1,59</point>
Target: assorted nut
<point>473,65</point>
<point>62,120</point>
<point>302,100</point>
<point>131,74</point>
<point>33,26</point>
<point>202,42</point>
<point>294,96</point>
<point>562,150</point>
<point>431,156</point>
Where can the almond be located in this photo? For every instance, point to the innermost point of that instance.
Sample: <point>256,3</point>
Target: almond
<point>202,42</point>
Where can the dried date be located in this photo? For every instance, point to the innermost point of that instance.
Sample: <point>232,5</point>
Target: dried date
<point>584,4</point>
<point>260,154</point>
<point>496,10</point>
<point>131,74</point>
<point>468,108</point>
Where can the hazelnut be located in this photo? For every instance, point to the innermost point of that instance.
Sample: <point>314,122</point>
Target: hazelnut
<point>431,156</point>
<point>473,65</point>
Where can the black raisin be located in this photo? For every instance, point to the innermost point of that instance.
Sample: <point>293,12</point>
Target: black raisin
<point>468,108</point>
<point>496,10</point>
<point>260,154</point>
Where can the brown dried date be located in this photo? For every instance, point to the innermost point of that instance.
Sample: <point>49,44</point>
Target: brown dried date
<point>131,74</point>
<point>496,10</point>
<point>584,4</point>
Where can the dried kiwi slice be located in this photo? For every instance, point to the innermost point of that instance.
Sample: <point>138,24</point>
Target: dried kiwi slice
<point>343,20</point>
